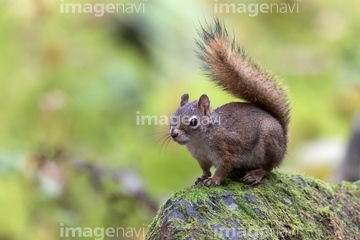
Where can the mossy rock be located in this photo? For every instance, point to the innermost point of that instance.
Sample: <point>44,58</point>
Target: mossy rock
<point>287,206</point>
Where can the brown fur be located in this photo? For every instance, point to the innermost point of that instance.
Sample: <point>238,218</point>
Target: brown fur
<point>250,137</point>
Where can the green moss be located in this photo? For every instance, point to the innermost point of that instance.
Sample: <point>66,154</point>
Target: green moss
<point>288,206</point>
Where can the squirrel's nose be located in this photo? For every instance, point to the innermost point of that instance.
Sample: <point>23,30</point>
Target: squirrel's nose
<point>173,133</point>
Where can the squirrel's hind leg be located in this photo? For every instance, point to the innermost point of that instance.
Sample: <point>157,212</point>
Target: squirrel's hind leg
<point>255,176</point>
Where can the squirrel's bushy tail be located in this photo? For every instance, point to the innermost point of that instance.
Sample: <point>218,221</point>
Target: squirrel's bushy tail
<point>227,65</point>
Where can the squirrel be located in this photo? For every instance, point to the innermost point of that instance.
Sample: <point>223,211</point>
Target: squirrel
<point>251,136</point>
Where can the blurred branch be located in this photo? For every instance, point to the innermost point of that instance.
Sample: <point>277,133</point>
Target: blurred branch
<point>130,183</point>
<point>350,169</point>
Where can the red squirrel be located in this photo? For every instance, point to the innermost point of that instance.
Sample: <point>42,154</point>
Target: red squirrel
<point>250,136</point>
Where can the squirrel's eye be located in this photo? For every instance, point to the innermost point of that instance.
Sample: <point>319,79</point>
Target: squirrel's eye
<point>193,122</point>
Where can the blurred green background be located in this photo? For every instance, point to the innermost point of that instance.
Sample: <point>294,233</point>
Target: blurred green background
<point>73,84</point>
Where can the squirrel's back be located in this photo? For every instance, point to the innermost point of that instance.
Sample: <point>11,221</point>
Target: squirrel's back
<point>227,65</point>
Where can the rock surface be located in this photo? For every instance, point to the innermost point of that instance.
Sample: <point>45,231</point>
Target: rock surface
<point>287,206</point>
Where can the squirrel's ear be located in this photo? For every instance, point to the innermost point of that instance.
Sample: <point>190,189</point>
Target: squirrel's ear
<point>184,99</point>
<point>204,103</point>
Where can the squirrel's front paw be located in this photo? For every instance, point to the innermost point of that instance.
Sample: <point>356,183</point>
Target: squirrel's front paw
<point>201,180</point>
<point>205,176</point>
<point>211,182</point>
